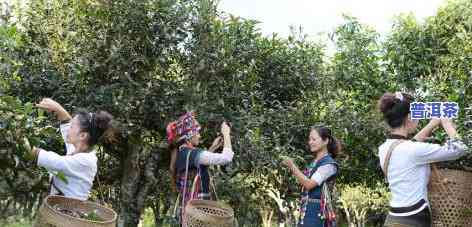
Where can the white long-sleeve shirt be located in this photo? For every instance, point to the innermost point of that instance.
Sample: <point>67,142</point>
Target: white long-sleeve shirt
<point>409,169</point>
<point>208,158</point>
<point>79,169</point>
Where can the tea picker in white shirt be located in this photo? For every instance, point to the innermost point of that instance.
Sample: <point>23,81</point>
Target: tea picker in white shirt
<point>406,163</point>
<point>79,166</point>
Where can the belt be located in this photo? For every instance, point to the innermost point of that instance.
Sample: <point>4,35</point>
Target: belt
<point>414,207</point>
<point>310,200</point>
<point>203,195</point>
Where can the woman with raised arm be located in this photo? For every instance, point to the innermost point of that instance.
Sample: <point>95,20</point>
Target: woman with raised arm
<point>189,164</point>
<point>406,161</point>
<point>74,173</point>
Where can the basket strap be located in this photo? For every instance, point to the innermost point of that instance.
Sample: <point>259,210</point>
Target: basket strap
<point>389,155</point>
<point>59,191</point>
<point>194,184</point>
<point>176,205</point>
<point>185,180</point>
<point>212,185</point>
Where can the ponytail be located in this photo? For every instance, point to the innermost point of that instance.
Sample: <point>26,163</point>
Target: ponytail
<point>173,174</point>
<point>334,147</point>
<point>395,107</point>
<point>98,125</point>
<point>174,145</point>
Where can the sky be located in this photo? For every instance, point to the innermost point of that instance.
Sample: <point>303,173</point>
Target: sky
<point>321,16</point>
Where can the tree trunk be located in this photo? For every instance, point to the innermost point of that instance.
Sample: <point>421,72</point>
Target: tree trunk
<point>137,180</point>
<point>129,214</point>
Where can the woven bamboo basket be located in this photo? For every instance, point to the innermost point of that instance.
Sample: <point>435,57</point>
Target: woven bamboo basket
<point>396,225</point>
<point>450,195</point>
<point>48,216</point>
<point>207,213</point>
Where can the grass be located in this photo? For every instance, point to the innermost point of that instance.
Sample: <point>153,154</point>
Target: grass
<point>148,219</point>
<point>16,222</point>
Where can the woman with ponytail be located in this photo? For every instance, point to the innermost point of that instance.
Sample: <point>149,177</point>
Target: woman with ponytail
<point>79,166</point>
<point>189,164</point>
<point>406,161</point>
<point>315,207</point>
